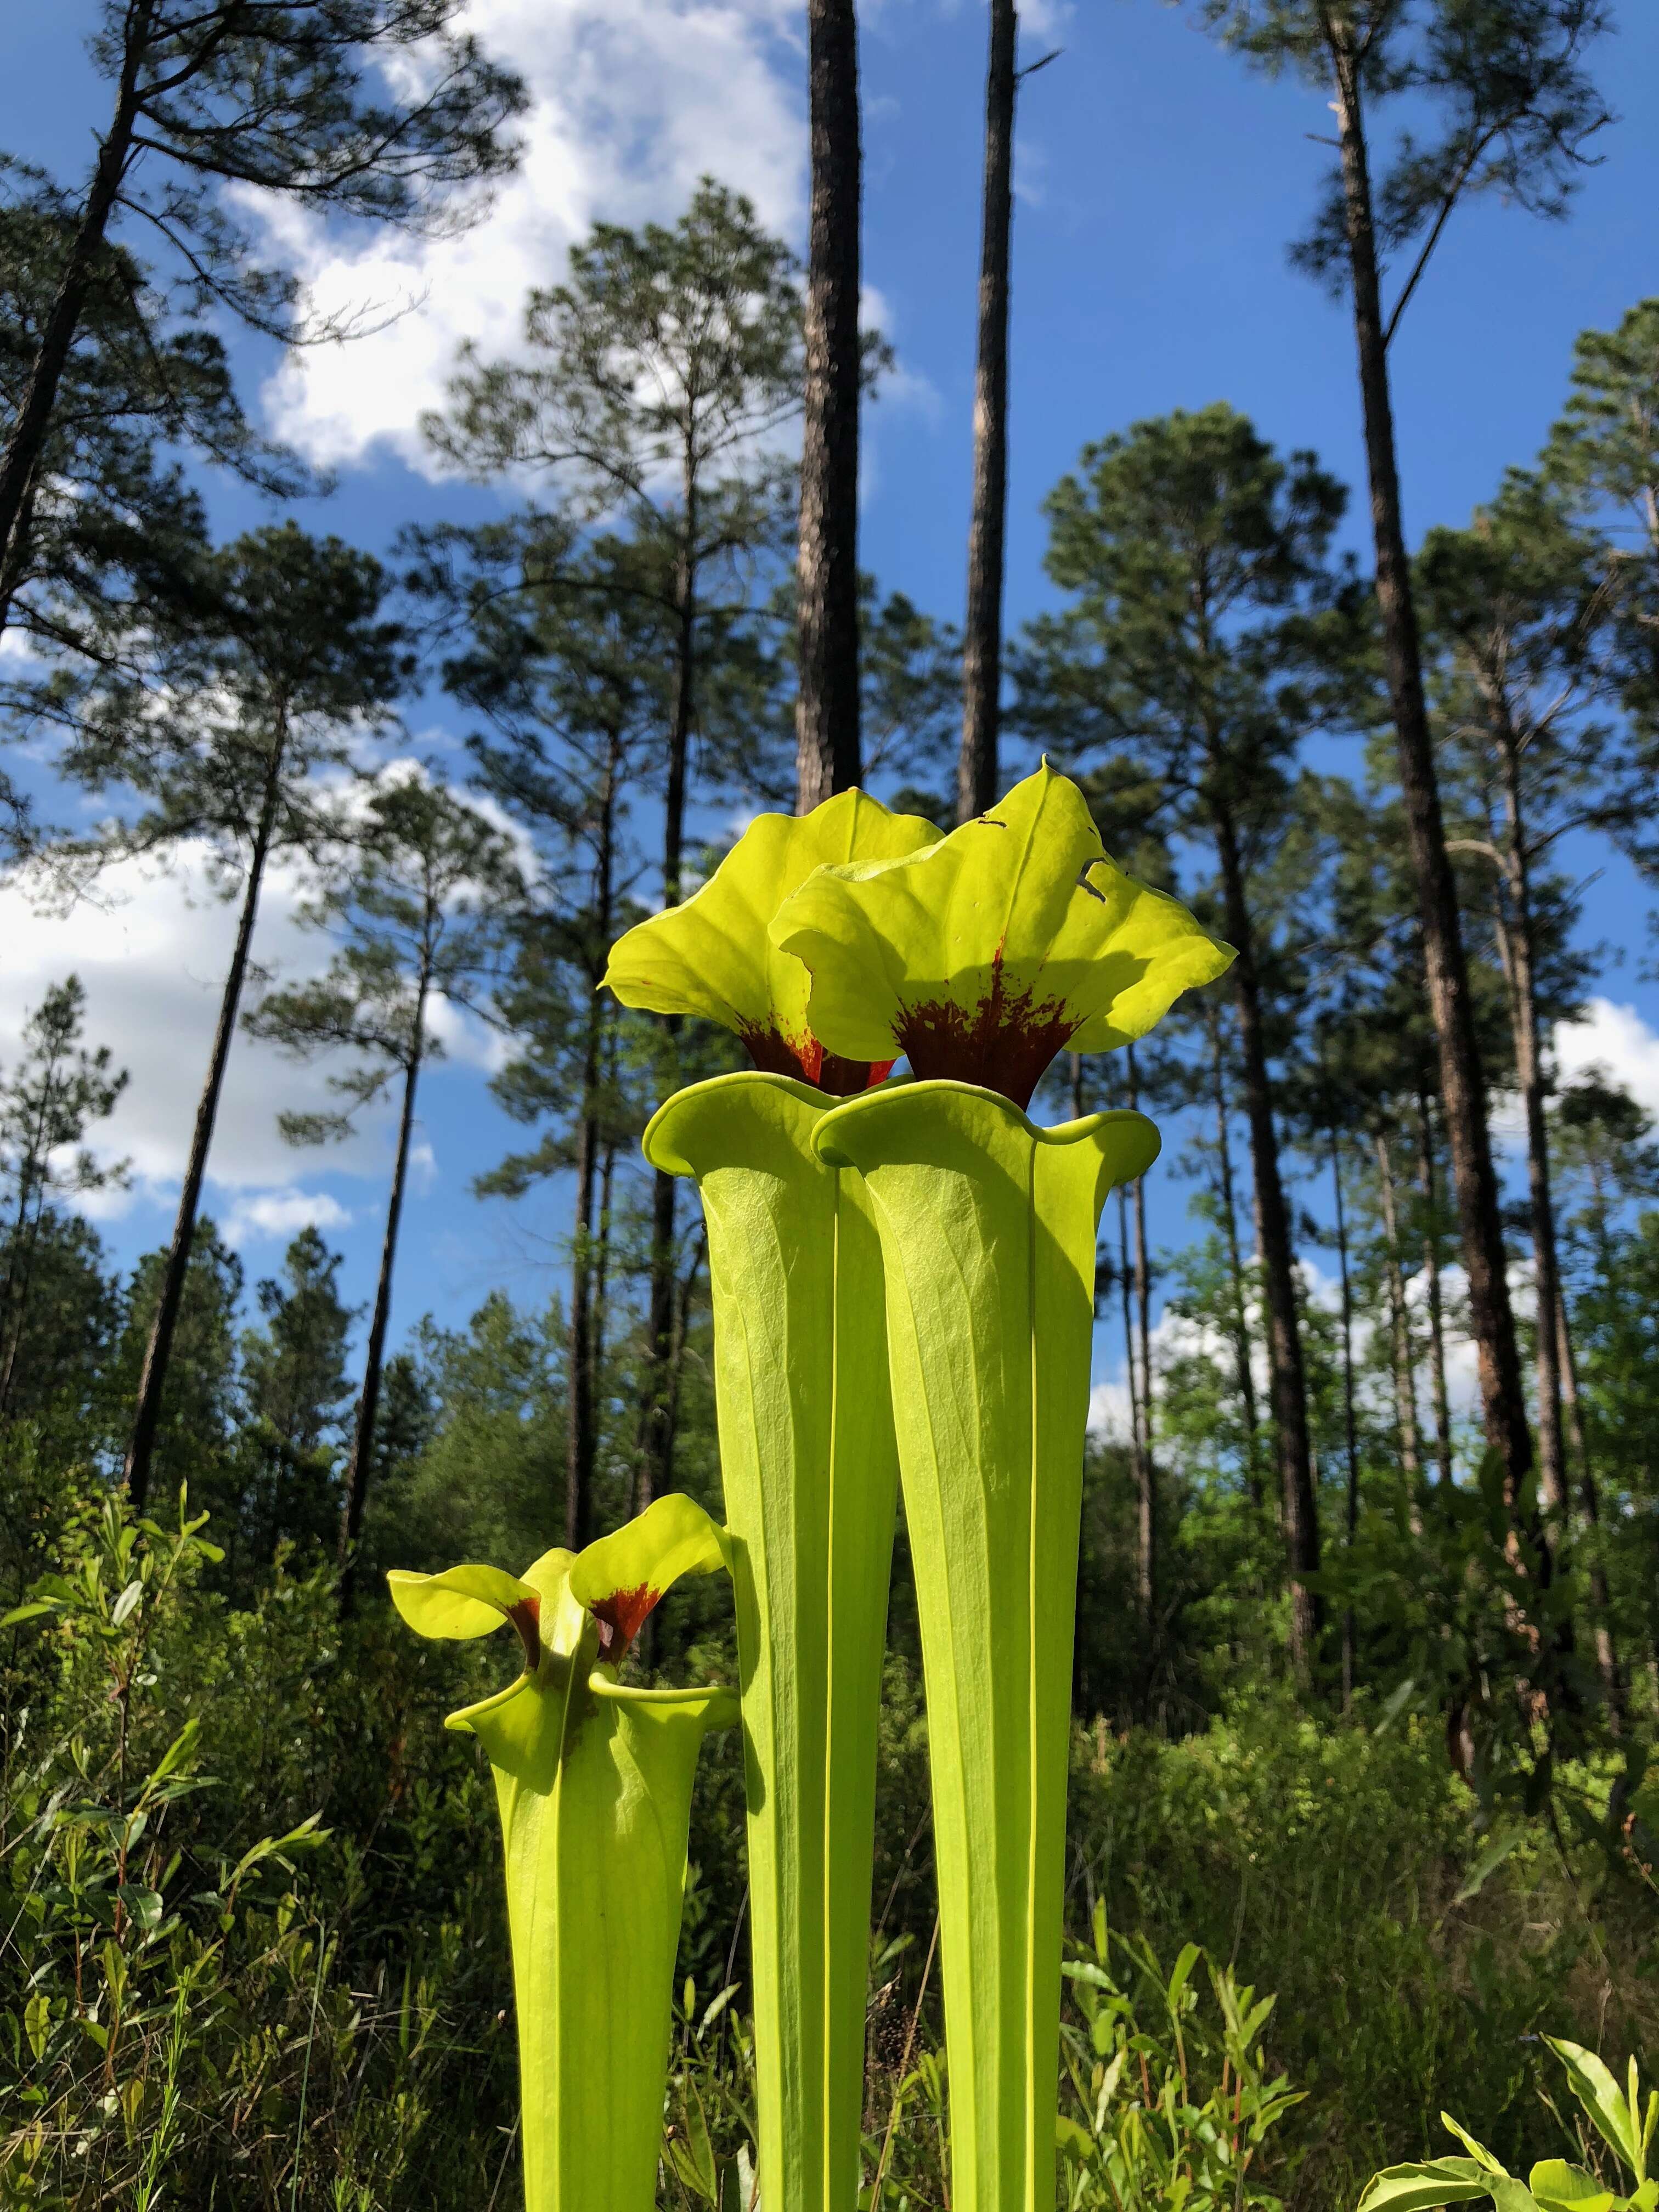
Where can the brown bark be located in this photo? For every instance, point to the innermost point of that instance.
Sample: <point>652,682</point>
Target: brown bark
<point>1285,1364</point>
<point>1401,1357</point>
<point>368,1402</point>
<point>1516,935</point>
<point>1349,1429</point>
<point>29,431</point>
<point>981,644</point>
<point>581,1391</point>
<point>158,1351</point>
<point>1428,1186</point>
<point>827,744</point>
<point>1240,1325</point>
<point>655,1450</point>
<point>1462,1088</point>
<point>1589,1499</point>
<point>1146,1464</point>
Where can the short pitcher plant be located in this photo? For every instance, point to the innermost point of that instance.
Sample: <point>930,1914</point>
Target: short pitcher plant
<point>902,1280</point>
<point>593,1783</point>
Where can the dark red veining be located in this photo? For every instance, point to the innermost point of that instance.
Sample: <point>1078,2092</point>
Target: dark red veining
<point>620,1616</point>
<point>806,1058</point>
<point>526,1616</point>
<point>1006,1044</point>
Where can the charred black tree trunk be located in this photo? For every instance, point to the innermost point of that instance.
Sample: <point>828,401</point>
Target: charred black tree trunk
<point>1462,1088</point>
<point>158,1351</point>
<point>982,653</point>
<point>827,745</point>
<point>1285,1362</point>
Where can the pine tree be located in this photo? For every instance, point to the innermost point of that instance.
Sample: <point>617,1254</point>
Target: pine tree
<point>1507,81</point>
<point>1189,544</point>
<point>52,1097</point>
<point>374,109</point>
<point>417,899</point>
<point>221,741</point>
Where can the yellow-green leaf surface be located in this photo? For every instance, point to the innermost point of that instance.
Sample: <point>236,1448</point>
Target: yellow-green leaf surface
<point>713,957</point>
<point>1421,2187</point>
<point>1617,2117</point>
<point>807,1460</point>
<point>987,1233</point>
<point>622,1576</point>
<point>593,1787</point>
<point>1560,2187</point>
<point>983,955</point>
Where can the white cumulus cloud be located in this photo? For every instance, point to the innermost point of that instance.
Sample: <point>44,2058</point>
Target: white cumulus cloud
<point>282,1213</point>
<point>1616,1040</point>
<point>633,100</point>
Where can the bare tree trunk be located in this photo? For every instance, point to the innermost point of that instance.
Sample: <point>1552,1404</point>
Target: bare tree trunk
<point>1240,1325</point>
<point>29,431</point>
<point>1146,1464</point>
<point>1131,1354</point>
<point>981,644</point>
<point>152,1382</point>
<point>368,1403</point>
<point>1428,1186</point>
<point>1590,1498</point>
<point>1402,1357</point>
<point>1515,928</point>
<point>655,1451</point>
<point>582,1390</point>
<point>1463,1087</point>
<point>1349,1429</point>
<point>1285,1365</point>
<point>827,744</point>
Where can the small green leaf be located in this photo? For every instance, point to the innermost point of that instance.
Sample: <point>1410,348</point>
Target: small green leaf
<point>1487,1865</point>
<point>32,1611</point>
<point>1434,2182</point>
<point>124,1605</point>
<point>1560,2187</point>
<point>1478,2152</point>
<point>1601,2099</point>
<point>1072,2138</point>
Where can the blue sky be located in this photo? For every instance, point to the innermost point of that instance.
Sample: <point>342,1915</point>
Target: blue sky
<point>1158,184</point>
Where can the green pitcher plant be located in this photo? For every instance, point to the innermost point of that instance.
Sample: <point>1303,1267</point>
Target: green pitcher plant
<point>807,1459</point>
<point>979,958</point>
<point>593,1785</point>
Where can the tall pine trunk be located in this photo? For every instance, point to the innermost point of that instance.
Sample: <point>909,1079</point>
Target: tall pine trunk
<point>29,432</point>
<point>827,742</point>
<point>1589,1499</point>
<point>1349,1429</point>
<point>359,1465</point>
<point>1285,1363</point>
<point>1401,1358</point>
<point>655,1451</point>
<point>981,644</point>
<point>1239,1318</point>
<point>1462,1088</point>
<point>582,1384</point>
<point>1146,1463</point>
<point>158,1351</point>
<point>1516,941</point>
<point>1428,1183</point>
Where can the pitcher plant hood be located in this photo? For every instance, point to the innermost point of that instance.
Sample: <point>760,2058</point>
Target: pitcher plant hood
<point>983,956</point>
<point>593,1786</point>
<point>713,957</point>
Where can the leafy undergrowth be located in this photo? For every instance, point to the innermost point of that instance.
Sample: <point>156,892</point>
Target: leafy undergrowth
<point>252,1951</point>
